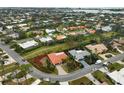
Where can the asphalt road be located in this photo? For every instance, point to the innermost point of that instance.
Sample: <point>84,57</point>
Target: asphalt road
<point>71,76</point>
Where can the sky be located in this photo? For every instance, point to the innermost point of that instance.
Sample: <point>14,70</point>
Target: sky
<point>61,3</point>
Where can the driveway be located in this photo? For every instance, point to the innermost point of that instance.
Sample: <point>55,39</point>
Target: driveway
<point>94,80</point>
<point>61,71</point>
<point>84,64</point>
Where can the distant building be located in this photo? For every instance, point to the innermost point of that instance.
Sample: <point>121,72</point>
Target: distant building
<point>28,44</point>
<point>46,39</point>
<point>106,28</point>
<point>60,37</point>
<point>98,49</point>
<point>57,58</point>
<point>48,31</point>
<point>14,35</point>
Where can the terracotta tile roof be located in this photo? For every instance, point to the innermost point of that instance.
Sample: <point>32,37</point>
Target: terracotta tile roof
<point>99,48</point>
<point>57,58</point>
<point>76,27</point>
<point>91,31</point>
<point>60,37</point>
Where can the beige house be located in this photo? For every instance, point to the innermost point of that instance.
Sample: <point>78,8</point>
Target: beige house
<point>98,49</point>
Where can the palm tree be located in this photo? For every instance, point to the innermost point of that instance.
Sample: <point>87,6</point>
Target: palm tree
<point>26,69</point>
<point>16,66</point>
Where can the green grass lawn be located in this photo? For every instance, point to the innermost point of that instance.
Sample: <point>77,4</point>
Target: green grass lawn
<point>115,66</point>
<point>102,77</point>
<point>48,49</point>
<point>8,68</point>
<point>48,83</point>
<point>28,81</point>
<point>81,81</point>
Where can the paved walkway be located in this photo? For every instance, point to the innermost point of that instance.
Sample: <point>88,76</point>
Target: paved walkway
<point>36,82</point>
<point>61,71</point>
<point>94,80</point>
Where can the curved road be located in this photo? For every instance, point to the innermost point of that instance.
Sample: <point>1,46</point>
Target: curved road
<point>71,76</point>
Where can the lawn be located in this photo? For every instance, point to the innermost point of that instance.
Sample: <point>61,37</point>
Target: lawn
<point>81,81</point>
<point>48,49</point>
<point>71,65</point>
<point>28,81</point>
<point>9,68</point>
<point>102,77</point>
<point>48,83</point>
<point>115,66</point>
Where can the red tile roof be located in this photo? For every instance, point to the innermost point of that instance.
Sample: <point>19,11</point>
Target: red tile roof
<point>91,31</point>
<point>76,27</point>
<point>57,58</point>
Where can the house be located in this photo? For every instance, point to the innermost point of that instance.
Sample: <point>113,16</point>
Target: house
<point>79,54</point>
<point>117,42</point>
<point>1,29</point>
<point>106,28</point>
<point>91,31</point>
<point>48,31</point>
<point>57,58</point>
<point>117,76</point>
<point>46,39</point>
<point>60,37</point>
<point>75,27</point>
<point>28,44</point>
<point>98,49</point>
<point>14,35</point>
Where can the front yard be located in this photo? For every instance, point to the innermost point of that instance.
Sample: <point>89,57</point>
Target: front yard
<point>115,66</point>
<point>102,77</point>
<point>81,81</point>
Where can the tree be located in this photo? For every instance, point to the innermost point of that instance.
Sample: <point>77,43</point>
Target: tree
<point>26,69</point>
<point>2,66</point>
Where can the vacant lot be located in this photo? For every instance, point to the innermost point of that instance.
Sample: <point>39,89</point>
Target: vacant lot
<point>48,49</point>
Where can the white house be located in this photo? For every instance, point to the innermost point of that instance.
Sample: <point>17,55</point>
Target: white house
<point>107,28</point>
<point>46,39</point>
<point>48,31</point>
<point>79,54</point>
<point>28,44</point>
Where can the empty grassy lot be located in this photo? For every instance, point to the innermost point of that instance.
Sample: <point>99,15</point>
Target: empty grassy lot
<point>48,49</point>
